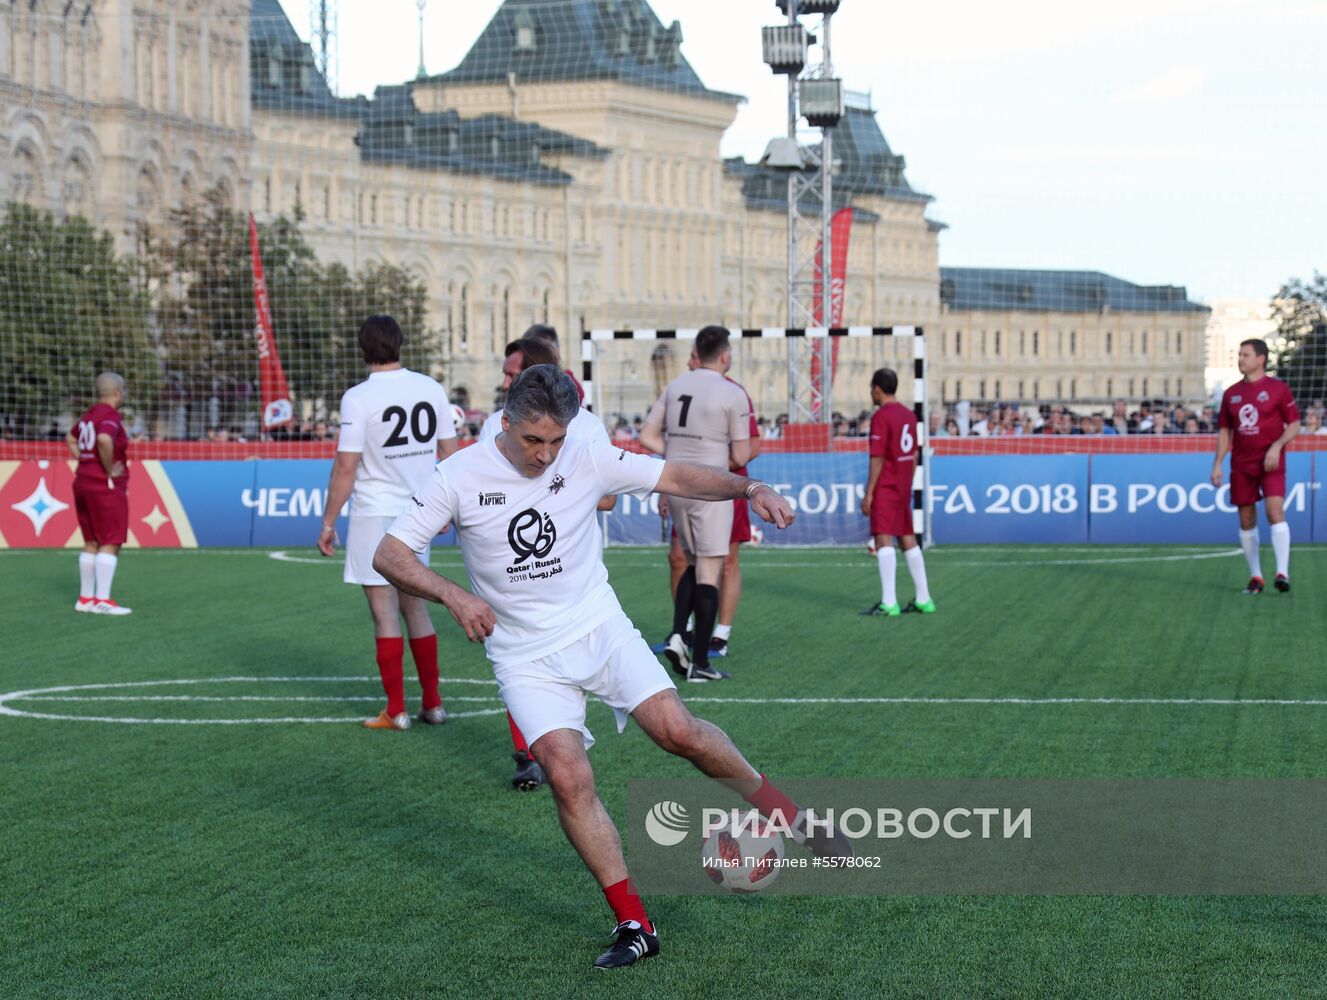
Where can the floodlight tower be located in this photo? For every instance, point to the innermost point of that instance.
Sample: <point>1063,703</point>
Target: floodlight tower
<point>322,32</point>
<point>423,72</point>
<point>816,95</point>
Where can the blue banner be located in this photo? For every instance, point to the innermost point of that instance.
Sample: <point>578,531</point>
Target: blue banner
<point>211,493</point>
<point>974,499</point>
<point>1171,499</point>
<point>995,498</point>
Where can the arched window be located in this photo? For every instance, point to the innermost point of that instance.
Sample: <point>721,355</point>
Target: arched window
<point>464,318</point>
<point>27,174</point>
<point>76,192</point>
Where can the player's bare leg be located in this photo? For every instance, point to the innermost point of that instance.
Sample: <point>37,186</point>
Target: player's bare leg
<point>670,724</point>
<point>677,565</point>
<point>424,651</point>
<point>384,606</point>
<point>1248,542</point>
<point>730,595</point>
<point>1280,532</point>
<point>589,828</point>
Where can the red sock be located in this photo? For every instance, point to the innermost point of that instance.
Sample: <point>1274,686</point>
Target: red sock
<point>390,654</point>
<point>517,740</point>
<point>767,799</point>
<point>425,652</point>
<point>626,904</point>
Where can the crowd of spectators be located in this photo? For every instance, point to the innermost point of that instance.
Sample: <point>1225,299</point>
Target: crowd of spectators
<point>946,420</point>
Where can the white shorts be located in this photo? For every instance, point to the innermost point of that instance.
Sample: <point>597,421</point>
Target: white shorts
<point>362,540</point>
<point>613,663</point>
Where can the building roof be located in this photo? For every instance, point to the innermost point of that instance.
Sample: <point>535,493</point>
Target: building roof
<point>556,40</point>
<point>282,72</point>
<point>392,129</point>
<point>970,288</point>
<point>395,131</point>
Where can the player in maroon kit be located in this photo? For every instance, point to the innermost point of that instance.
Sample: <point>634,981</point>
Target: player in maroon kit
<point>101,497</point>
<point>888,497</point>
<point>1258,417</point>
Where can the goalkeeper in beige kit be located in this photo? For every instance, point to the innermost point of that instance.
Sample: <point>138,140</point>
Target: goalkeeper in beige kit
<point>704,418</point>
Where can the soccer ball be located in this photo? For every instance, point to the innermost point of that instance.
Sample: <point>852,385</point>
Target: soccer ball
<point>757,536</point>
<point>744,861</point>
<point>458,416</point>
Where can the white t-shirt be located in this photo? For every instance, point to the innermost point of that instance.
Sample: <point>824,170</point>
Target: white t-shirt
<point>394,419</point>
<point>584,425</point>
<point>531,546</point>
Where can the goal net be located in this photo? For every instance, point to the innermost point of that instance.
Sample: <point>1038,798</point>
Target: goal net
<point>820,465</point>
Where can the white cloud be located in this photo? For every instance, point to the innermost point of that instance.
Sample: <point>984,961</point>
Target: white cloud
<point>1173,85</point>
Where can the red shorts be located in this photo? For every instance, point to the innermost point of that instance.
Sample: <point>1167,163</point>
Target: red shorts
<point>103,514</point>
<point>1248,486</point>
<point>741,522</point>
<point>891,514</point>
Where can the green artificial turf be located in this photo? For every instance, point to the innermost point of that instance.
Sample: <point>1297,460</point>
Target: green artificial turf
<point>302,860</point>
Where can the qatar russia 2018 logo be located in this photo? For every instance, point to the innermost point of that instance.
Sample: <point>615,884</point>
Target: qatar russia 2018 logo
<point>530,533</point>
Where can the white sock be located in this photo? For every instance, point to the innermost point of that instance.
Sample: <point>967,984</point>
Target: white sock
<point>1248,541</point>
<point>917,568</point>
<point>105,574</point>
<point>86,573</point>
<point>722,631</point>
<point>886,560</point>
<point>1281,546</point>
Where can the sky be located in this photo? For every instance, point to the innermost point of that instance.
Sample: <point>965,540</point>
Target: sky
<point>1176,142</point>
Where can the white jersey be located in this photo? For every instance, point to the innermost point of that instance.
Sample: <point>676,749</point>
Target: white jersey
<point>394,419</point>
<point>531,546</point>
<point>584,425</point>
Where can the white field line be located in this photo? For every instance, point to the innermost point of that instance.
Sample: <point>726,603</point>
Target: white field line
<point>865,562</point>
<point>73,693</point>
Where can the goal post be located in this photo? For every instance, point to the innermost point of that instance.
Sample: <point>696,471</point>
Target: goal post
<point>821,466</point>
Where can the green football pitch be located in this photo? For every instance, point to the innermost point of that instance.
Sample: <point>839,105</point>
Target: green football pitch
<point>303,860</point>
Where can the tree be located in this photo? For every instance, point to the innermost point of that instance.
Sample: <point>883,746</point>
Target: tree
<point>204,283</point>
<point>71,308</point>
<point>1300,311</point>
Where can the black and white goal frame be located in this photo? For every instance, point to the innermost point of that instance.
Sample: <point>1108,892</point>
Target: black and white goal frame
<point>590,340</point>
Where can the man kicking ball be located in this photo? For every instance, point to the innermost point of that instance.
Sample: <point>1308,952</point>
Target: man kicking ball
<point>523,504</point>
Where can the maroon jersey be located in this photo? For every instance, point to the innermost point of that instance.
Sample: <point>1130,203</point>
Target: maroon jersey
<point>755,426</point>
<point>101,419</point>
<point>1256,414</point>
<point>894,438</point>
<point>580,389</point>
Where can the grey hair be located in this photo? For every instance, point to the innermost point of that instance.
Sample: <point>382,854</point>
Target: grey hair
<point>108,382</point>
<point>542,391</point>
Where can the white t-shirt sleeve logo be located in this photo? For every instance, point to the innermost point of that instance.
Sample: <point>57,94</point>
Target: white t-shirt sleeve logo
<point>430,511</point>
<point>351,437</point>
<point>624,471</point>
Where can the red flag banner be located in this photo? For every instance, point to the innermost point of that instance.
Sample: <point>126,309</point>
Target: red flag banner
<point>271,376</point>
<point>840,229</point>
